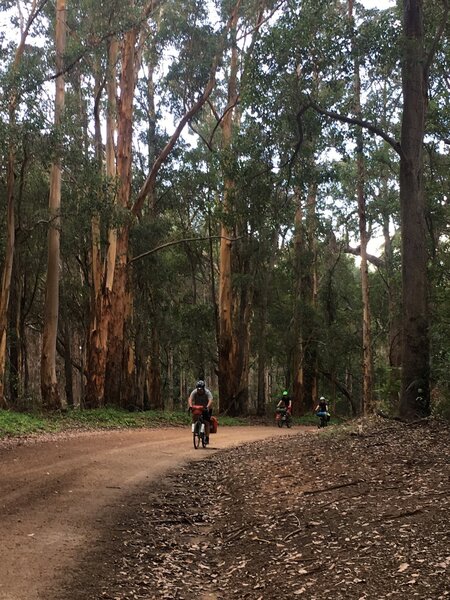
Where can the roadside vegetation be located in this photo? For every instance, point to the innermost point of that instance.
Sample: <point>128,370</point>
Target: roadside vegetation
<point>16,424</point>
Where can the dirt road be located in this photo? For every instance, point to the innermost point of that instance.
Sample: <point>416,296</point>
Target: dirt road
<point>58,496</point>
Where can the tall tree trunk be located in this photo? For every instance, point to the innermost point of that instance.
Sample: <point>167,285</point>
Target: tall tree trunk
<point>15,337</point>
<point>367,375</point>
<point>299,350</point>
<point>7,267</point>
<point>49,383</point>
<point>228,378</point>
<point>235,306</point>
<point>102,276</point>
<point>120,310</point>
<point>305,351</point>
<point>261,397</point>
<point>415,334</point>
<point>119,381</point>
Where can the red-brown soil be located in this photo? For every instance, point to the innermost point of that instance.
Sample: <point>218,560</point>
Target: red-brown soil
<point>357,513</point>
<point>60,494</point>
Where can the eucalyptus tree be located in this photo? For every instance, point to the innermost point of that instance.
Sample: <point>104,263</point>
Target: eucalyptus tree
<point>417,56</point>
<point>307,48</point>
<point>12,98</point>
<point>174,282</point>
<point>114,379</point>
<point>367,397</point>
<point>417,60</point>
<point>49,383</point>
<point>235,303</point>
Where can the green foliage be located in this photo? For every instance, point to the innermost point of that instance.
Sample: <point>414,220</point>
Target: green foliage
<point>302,52</point>
<point>13,424</point>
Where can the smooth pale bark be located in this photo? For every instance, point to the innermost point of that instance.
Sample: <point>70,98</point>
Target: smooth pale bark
<point>228,377</point>
<point>116,370</point>
<point>235,307</point>
<point>415,319</point>
<point>49,384</point>
<point>119,380</point>
<point>103,270</point>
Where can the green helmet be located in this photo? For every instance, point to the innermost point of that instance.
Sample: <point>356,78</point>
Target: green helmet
<point>285,393</point>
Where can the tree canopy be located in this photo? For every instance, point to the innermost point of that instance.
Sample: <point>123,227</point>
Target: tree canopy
<point>229,172</point>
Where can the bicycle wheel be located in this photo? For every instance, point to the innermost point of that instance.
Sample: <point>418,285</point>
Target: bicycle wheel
<point>323,422</point>
<point>203,438</point>
<point>196,435</point>
<point>280,423</point>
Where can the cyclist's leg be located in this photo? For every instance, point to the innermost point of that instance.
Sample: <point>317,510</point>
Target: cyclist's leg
<point>206,420</point>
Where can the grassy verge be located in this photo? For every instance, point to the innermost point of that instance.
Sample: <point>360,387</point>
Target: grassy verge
<point>22,424</point>
<point>14,424</point>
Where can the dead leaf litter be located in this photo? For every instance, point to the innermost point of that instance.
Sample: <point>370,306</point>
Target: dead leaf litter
<point>339,515</point>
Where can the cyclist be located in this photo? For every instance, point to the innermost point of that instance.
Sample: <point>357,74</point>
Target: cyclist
<point>285,402</point>
<point>203,397</point>
<point>322,408</point>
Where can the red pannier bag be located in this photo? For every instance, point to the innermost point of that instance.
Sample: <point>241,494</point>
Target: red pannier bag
<point>214,423</point>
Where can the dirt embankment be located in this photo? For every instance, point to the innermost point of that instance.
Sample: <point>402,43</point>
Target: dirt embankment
<point>362,515</point>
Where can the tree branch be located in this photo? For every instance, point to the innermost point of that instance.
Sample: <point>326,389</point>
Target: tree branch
<point>262,21</point>
<point>360,123</point>
<point>149,183</point>
<point>175,242</point>
<point>378,262</point>
<point>338,486</point>
<point>437,38</point>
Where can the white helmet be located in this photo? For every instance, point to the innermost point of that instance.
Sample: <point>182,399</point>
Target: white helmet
<point>322,398</point>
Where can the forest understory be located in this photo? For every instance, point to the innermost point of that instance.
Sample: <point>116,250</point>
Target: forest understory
<point>357,514</point>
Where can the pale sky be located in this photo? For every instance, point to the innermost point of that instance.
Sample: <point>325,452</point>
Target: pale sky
<point>378,3</point>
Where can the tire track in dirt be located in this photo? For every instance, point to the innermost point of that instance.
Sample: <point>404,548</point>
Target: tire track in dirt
<point>57,496</point>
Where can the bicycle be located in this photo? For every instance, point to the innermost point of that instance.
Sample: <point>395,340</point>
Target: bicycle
<point>283,417</point>
<point>198,427</point>
<point>323,419</point>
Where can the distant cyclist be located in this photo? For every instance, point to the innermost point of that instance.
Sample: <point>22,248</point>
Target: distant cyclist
<point>201,396</point>
<point>285,402</point>
<point>321,409</point>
